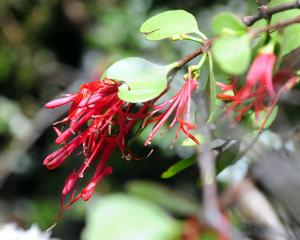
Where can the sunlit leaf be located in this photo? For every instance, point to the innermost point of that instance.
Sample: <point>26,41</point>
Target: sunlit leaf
<point>142,80</point>
<point>169,24</point>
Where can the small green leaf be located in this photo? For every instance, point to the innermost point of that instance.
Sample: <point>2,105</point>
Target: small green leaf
<point>227,23</point>
<point>233,54</point>
<point>169,24</point>
<point>188,142</point>
<point>143,80</point>
<point>178,167</point>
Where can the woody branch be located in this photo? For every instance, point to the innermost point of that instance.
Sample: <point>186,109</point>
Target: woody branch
<point>266,12</point>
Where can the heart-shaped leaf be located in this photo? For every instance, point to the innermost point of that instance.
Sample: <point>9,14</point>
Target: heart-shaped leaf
<point>169,24</point>
<point>233,54</point>
<point>143,80</point>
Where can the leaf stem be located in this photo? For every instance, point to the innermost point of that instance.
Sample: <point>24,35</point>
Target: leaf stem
<point>202,35</point>
<point>201,62</point>
<point>194,39</point>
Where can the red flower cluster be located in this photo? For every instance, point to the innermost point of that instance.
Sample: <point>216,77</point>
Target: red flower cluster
<point>261,89</point>
<point>99,122</point>
<point>258,87</point>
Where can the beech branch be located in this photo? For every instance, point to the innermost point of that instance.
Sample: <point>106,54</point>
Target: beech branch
<point>279,25</point>
<point>267,12</point>
<point>189,57</point>
<point>204,49</point>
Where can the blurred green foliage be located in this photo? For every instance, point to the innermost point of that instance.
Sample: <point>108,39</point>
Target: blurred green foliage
<point>46,46</point>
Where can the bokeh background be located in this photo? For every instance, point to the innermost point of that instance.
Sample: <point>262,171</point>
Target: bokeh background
<point>50,47</point>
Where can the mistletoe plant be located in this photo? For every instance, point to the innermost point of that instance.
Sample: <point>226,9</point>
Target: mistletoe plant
<point>247,51</point>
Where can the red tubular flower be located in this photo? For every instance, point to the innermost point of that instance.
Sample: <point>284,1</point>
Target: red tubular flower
<point>256,90</point>
<point>99,122</point>
<point>179,107</point>
<point>261,91</point>
<point>260,76</point>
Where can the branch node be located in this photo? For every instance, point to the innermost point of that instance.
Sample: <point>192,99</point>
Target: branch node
<point>264,12</point>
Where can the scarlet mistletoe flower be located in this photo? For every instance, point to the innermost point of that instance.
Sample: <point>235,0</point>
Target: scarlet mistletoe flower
<point>261,91</point>
<point>177,107</point>
<point>99,122</point>
<point>257,89</point>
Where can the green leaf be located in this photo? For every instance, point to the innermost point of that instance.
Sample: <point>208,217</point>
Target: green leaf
<point>169,24</point>
<point>227,23</point>
<point>164,197</point>
<point>178,167</point>
<point>122,217</point>
<point>291,39</point>
<point>233,54</point>
<point>143,80</point>
<point>291,34</point>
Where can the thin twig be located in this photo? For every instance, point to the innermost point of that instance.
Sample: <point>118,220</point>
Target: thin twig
<point>204,49</point>
<point>189,57</point>
<point>262,2</point>
<point>266,12</point>
<point>279,25</point>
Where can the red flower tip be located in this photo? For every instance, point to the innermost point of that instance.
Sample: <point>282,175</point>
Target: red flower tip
<point>261,73</point>
<point>59,102</point>
<point>70,182</point>
<point>177,107</point>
